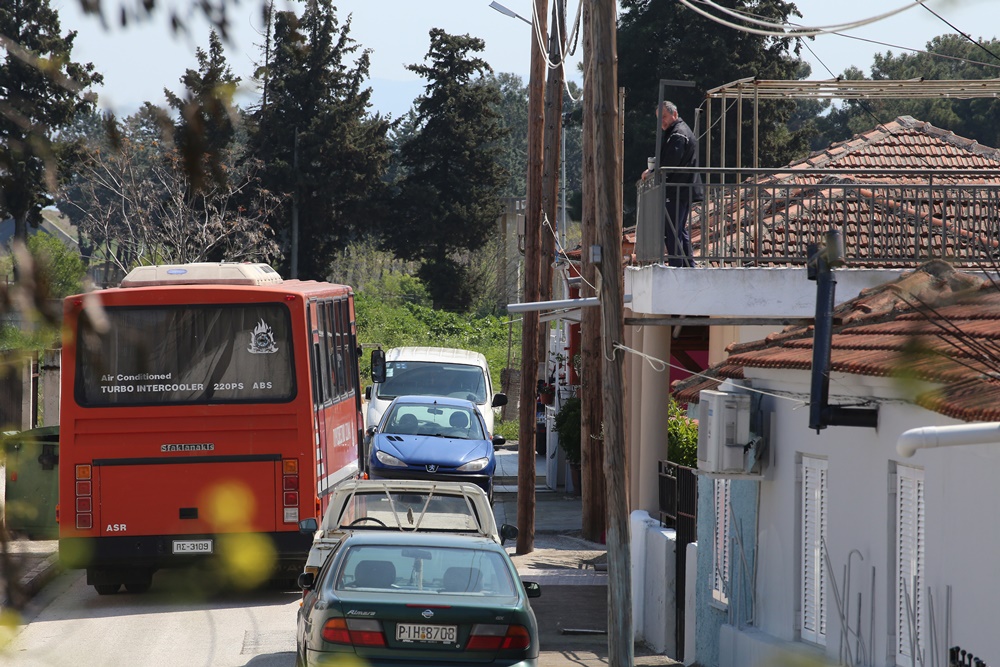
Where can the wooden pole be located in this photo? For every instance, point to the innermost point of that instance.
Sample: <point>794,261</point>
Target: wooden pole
<point>553,132</point>
<point>592,462</point>
<point>529,331</point>
<point>608,215</point>
<point>550,172</point>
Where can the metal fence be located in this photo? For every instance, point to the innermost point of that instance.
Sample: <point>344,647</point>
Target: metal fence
<point>678,495</point>
<point>887,218</point>
<point>959,657</point>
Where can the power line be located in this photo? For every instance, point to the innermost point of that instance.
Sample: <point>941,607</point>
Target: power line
<point>927,53</point>
<point>764,21</point>
<point>963,34</point>
<point>899,46</point>
<point>782,29</point>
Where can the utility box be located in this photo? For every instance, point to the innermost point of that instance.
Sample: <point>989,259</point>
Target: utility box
<point>724,432</point>
<point>32,482</point>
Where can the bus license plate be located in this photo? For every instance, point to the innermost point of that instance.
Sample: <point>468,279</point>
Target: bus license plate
<point>192,546</point>
<point>416,632</point>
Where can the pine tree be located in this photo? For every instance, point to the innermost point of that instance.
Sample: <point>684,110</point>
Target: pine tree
<point>946,57</point>
<point>448,201</point>
<point>205,128</point>
<point>665,40</point>
<point>41,90</point>
<point>316,137</point>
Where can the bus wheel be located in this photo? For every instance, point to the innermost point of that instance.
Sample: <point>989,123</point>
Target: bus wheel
<point>107,589</point>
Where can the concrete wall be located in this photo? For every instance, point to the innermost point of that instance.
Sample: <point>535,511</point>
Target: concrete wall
<point>654,589</point>
<point>711,615</point>
<point>961,533</point>
<point>747,292</point>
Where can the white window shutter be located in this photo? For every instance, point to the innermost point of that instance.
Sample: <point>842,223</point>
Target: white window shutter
<point>720,550</point>
<point>910,612</point>
<point>813,566</point>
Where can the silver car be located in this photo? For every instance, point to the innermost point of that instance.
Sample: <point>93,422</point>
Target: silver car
<point>403,505</point>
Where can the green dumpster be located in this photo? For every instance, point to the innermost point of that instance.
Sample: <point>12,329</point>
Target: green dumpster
<point>32,485</point>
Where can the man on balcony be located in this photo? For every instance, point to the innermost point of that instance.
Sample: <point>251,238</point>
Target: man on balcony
<point>678,148</point>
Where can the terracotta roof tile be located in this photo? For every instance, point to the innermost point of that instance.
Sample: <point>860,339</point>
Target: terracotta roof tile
<point>798,205</point>
<point>934,324</point>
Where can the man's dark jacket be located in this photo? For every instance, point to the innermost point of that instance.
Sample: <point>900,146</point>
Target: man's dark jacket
<point>679,148</point>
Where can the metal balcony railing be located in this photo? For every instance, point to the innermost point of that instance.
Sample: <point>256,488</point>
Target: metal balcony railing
<point>887,218</point>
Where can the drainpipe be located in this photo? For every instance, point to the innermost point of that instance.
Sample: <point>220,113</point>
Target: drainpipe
<point>926,437</point>
<point>822,260</point>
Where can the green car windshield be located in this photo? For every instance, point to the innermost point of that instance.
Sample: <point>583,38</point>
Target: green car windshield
<point>430,569</point>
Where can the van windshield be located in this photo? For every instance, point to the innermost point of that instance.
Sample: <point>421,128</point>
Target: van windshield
<point>433,378</point>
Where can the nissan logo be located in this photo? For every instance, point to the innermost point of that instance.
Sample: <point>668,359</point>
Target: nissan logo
<point>427,613</point>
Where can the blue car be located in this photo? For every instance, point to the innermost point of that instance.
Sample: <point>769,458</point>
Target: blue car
<point>434,438</point>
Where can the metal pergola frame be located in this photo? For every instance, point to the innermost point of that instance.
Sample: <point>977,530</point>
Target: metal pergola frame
<point>755,90</point>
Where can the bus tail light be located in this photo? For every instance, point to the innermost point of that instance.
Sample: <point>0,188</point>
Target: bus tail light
<point>290,488</point>
<point>84,498</point>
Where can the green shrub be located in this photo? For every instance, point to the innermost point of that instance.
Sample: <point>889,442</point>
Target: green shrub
<point>382,321</point>
<point>682,436</point>
<point>568,428</point>
<point>510,429</point>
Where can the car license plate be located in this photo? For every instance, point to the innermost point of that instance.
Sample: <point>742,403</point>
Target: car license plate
<point>417,632</point>
<point>192,546</point>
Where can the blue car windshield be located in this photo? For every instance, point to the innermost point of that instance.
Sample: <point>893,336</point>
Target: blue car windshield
<point>445,421</point>
<point>430,569</point>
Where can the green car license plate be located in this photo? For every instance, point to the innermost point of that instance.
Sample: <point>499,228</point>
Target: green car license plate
<point>416,632</point>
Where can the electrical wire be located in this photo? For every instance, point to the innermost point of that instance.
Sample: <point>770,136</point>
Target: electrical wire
<point>785,32</point>
<point>826,28</point>
<point>536,26</point>
<point>963,34</point>
<point>660,366</point>
<point>943,56</point>
<point>560,249</point>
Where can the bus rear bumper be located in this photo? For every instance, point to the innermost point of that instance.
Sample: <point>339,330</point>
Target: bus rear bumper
<point>152,552</point>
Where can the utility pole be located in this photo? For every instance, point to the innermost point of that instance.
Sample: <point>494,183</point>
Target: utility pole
<point>529,330</point>
<point>591,413</point>
<point>608,258</point>
<point>294,271</point>
<point>553,131</point>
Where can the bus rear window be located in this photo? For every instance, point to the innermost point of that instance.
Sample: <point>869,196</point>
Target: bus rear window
<point>188,354</point>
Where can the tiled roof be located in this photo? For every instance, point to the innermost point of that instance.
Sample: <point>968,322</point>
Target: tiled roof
<point>905,143</point>
<point>934,325</point>
<point>882,216</point>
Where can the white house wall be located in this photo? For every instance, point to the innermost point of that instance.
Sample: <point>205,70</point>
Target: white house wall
<point>735,292</point>
<point>962,534</point>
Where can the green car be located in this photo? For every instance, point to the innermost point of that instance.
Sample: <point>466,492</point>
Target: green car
<point>417,599</point>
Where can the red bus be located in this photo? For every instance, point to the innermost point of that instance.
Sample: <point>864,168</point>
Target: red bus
<point>206,408</point>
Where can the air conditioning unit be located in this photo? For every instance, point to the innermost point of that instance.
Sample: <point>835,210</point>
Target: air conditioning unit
<point>723,432</point>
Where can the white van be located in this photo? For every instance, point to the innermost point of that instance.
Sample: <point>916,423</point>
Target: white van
<point>431,371</point>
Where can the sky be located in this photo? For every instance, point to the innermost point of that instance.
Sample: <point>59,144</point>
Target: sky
<point>139,61</point>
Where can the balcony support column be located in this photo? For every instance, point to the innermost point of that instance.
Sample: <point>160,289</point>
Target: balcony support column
<point>654,396</point>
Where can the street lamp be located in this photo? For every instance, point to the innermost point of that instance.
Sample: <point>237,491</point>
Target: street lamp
<point>508,12</point>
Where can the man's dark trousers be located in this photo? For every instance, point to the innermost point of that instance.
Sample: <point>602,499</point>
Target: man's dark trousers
<point>679,251</point>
